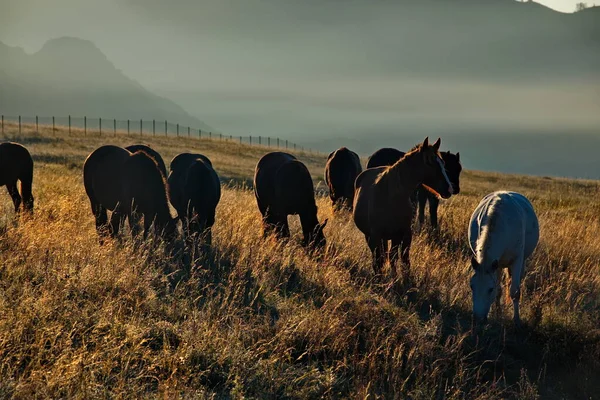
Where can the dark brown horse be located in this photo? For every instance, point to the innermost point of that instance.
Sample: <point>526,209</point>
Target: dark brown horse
<point>382,205</point>
<point>388,156</point>
<point>16,164</point>
<point>283,186</point>
<point>194,191</point>
<point>129,185</point>
<point>341,170</point>
<point>152,153</point>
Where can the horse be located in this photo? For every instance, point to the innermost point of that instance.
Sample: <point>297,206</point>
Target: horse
<point>129,185</point>
<point>152,153</point>
<point>382,207</point>
<point>16,164</point>
<point>503,233</point>
<point>341,170</point>
<point>194,191</point>
<point>388,156</point>
<point>282,187</point>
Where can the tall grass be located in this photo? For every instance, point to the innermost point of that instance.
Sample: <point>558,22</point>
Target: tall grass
<point>260,318</point>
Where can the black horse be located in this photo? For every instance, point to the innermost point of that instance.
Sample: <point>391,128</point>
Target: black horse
<point>341,170</point>
<point>152,153</point>
<point>282,187</point>
<point>16,164</point>
<point>388,156</point>
<point>194,191</point>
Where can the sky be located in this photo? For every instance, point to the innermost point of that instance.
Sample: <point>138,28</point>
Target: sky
<point>247,67</point>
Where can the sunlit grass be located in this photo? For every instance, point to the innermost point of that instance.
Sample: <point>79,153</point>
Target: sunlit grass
<point>262,318</point>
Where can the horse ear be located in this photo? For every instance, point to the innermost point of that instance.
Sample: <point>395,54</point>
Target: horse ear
<point>458,157</point>
<point>324,223</point>
<point>426,142</point>
<point>495,265</point>
<point>474,263</point>
<point>436,145</point>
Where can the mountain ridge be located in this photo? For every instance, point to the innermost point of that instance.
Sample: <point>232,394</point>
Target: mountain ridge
<point>72,76</point>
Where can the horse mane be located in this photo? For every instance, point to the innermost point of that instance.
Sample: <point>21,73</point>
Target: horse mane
<point>389,169</point>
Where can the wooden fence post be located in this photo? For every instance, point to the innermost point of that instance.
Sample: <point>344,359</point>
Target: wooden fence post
<point>19,124</point>
<point>153,127</point>
<point>240,140</point>
<point>286,144</point>
<point>210,135</point>
<point>3,124</point>
<point>259,140</point>
<point>165,127</point>
<point>37,126</point>
<point>100,125</point>
<point>128,127</point>
<point>69,125</point>
<point>250,139</point>
<point>177,130</point>
<point>277,142</point>
<point>53,126</point>
<point>199,133</point>
<point>188,131</point>
<point>84,125</point>
<point>269,141</point>
<point>140,127</point>
<point>115,126</point>
<point>220,136</point>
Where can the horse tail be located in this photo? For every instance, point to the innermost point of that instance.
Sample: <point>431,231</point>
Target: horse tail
<point>26,179</point>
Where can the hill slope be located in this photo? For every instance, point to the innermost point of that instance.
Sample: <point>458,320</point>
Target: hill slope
<point>70,76</point>
<point>263,319</point>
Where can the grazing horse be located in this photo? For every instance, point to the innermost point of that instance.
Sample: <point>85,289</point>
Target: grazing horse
<point>341,170</point>
<point>503,233</point>
<point>194,191</point>
<point>16,164</point>
<point>282,187</point>
<point>382,207</point>
<point>129,185</point>
<point>388,156</point>
<point>152,153</point>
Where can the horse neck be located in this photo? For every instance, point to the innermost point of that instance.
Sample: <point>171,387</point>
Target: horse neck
<point>407,173</point>
<point>309,221</point>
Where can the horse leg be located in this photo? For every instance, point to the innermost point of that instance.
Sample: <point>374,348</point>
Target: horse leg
<point>26,194</point>
<point>116,220</point>
<point>515,289</point>
<point>378,251</point>
<point>422,198</point>
<point>14,195</point>
<point>433,209</point>
<point>101,218</point>
<point>395,253</point>
<point>405,249</point>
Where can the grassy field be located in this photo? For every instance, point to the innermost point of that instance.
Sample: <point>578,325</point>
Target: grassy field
<point>263,319</point>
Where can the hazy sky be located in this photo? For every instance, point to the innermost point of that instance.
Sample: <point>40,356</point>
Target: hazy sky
<point>249,66</point>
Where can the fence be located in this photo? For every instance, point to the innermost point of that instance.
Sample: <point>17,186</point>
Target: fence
<point>107,127</point>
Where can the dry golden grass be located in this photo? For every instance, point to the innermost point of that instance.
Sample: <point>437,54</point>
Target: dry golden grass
<point>262,319</point>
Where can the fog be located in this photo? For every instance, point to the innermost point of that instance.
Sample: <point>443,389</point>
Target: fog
<point>366,73</point>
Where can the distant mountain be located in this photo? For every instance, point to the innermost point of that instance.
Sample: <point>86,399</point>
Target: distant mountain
<point>70,76</point>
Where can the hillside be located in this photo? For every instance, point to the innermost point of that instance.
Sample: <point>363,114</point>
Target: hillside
<point>70,76</point>
<point>262,319</point>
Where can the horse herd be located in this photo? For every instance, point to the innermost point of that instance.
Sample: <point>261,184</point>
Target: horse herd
<point>133,183</point>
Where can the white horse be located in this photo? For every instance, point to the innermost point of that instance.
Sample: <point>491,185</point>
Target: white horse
<point>503,233</point>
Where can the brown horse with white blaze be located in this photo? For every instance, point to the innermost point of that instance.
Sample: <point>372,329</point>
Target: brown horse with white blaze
<point>129,185</point>
<point>16,165</point>
<point>382,204</point>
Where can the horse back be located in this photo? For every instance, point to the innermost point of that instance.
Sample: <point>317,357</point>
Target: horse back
<point>15,163</point>
<point>103,172</point>
<point>384,157</point>
<point>503,225</point>
<point>155,155</point>
<point>341,170</point>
